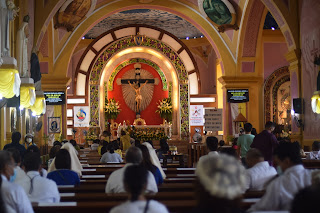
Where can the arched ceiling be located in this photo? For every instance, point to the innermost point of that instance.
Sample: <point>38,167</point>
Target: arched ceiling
<point>157,18</point>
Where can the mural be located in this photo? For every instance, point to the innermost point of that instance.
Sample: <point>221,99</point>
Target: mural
<point>217,11</point>
<point>161,19</point>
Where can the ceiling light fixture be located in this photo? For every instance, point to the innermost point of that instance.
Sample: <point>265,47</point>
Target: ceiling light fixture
<point>187,38</point>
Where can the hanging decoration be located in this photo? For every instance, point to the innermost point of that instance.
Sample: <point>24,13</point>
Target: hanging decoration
<point>9,83</point>
<point>39,106</point>
<point>27,93</point>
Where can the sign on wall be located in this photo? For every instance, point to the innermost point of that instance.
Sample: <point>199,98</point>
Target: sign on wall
<point>213,120</point>
<point>55,98</point>
<point>196,115</point>
<point>81,116</point>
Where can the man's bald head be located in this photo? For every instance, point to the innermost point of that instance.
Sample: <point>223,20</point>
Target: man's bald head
<point>253,157</point>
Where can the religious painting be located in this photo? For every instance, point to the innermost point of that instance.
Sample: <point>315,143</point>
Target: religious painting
<point>220,12</point>
<point>54,124</point>
<point>73,12</point>
<point>284,104</point>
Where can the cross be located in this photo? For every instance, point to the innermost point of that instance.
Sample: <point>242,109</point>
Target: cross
<point>240,108</point>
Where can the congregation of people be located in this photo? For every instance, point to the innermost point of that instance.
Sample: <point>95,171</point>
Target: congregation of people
<point>253,163</point>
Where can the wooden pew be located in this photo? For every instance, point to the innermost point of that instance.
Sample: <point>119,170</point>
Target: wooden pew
<point>311,164</point>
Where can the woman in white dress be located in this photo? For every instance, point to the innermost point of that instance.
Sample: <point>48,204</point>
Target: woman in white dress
<point>135,182</point>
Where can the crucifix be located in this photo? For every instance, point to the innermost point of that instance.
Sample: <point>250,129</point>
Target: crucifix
<point>137,84</point>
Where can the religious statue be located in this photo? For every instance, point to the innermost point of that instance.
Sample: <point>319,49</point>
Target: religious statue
<point>137,89</point>
<point>8,11</point>
<point>22,48</point>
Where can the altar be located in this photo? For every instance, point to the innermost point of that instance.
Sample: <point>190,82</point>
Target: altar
<point>147,132</point>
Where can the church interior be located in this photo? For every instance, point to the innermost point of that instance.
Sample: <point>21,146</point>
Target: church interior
<point>183,70</point>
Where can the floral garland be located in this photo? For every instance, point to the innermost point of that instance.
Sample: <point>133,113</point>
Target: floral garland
<point>112,109</point>
<point>165,109</point>
<point>145,134</point>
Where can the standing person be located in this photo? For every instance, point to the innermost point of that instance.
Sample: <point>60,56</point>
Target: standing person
<point>29,140</point>
<point>245,141</point>
<point>64,175</point>
<point>16,137</point>
<point>135,181</point>
<point>110,156</point>
<point>266,142</point>
<point>14,197</point>
<point>38,189</point>
<point>281,191</point>
<point>125,140</point>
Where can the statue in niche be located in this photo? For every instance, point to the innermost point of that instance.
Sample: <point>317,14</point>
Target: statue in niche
<point>137,89</point>
<point>8,11</point>
<point>22,47</point>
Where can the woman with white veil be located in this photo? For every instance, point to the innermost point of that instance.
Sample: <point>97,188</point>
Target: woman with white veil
<point>154,158</point>
<point>75,163</point>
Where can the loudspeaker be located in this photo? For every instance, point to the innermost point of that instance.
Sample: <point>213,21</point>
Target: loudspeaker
<point>298,105</point>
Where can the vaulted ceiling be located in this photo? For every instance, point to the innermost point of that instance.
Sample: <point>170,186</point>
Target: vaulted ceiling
<point>157,18</point>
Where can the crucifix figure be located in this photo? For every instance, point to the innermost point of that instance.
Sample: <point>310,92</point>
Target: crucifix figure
<point>137,90</point>
<point>137,83</point>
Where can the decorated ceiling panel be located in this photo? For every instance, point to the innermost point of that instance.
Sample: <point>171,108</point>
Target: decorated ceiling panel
<point>161,19</point>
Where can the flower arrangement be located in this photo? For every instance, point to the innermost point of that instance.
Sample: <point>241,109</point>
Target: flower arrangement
<point>145,134</point>
<point>112,109</point>
<point>165,109</point>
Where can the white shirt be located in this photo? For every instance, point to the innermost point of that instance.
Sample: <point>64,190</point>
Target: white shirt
<point>14,197</point>
<point>139,206</point>
<point>314,155</point>
<point>212,153</point>
<point>259,175</point>
<point>115,181</point>
<point>281,191</point>
<point>94,146</point>
<point>20,174</point>
<point>111,158</point>
<point>44,190</point>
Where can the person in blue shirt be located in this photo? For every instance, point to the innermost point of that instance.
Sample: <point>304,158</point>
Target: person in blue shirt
<point>146,162</point>
<point>64,175</point>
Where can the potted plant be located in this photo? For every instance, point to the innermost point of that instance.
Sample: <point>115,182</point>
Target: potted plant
<point>165,109</point>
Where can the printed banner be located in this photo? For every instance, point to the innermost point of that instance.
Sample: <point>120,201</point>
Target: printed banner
<point>54,125</point>
<point>196,115</point>
<point>81,116</point>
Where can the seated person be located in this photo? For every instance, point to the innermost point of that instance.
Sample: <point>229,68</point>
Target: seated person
<point>75,163</point>
<point>306,200</point>
<point>34,148</point>
<point>18,172</point>
<point>57,143</point>
<point>110,156</point>
<point>103,148</point>
<point>64,175</point>
<point>13,196</point>
<point>115,181</point>
<point>280,192</point>
<point>315,153</point>
<point>212,146</point>
<point>75,145</point>
<point>116,147</point>
<point>154,158</point>
<point>221,144</point>
<point>164,148</point>
<point>146,162</point>
<point>135,182</point>
<point>259,172</point>
<point>95,144</point>
<point>52,154</point>
<point>38,189</point>
<point>219,184</point>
